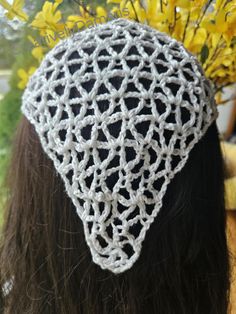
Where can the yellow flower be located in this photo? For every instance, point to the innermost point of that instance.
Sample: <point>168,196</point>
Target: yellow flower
<point>140,11</point>
<point>178,18</point>
<point>84,11</point>
<point>49,18</point>
<point>215,24</point>
<point>14,9</point>
<point>154,15</point>
<point>220,68</point>
<point>24,76</point>
<point>225,57</point>
<point>185,4</point>
<point>195,9</point>
<point>80,20</point>
<point>152,8</point>
<point>52,38</point>
<point>117,9</point>
<point>33,41</point>
<point>223,24</point>
<point>165,15</point>
<point>113,1</point>
<point>135,10</point>
<point>73,20</point>
<point>37,51</point>
<point>219,4</point>
<point>230,9</point>
<point>195,39</point>
<point>101,12</point>
<point>85,19</point>
<point>178,30</point>
<point>169,11</point>
<point>76,20</point>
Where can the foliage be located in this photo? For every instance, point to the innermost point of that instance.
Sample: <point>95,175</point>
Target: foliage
<point>9,116</point>
<point>10,104</point>
<point>6,58</point>
<point>14,9</point>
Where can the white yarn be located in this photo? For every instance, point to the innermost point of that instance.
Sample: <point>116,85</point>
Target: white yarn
<point>118,108</point>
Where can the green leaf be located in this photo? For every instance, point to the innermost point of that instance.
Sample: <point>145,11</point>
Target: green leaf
<point>204,53</point>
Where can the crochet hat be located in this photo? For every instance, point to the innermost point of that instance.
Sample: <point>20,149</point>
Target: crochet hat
<point>117,108</point>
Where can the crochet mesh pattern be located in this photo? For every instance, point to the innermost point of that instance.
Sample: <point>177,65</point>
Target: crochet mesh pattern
<point>118,107</point>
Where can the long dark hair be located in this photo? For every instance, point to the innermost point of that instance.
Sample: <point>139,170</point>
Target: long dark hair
<point>183,267</point>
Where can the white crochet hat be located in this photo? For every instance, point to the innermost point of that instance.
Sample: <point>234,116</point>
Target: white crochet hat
<point>118,107</point>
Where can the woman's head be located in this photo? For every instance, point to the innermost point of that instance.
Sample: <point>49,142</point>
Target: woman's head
<point>57,187</point>
<point>118,109</point>
<point>183,266</point>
